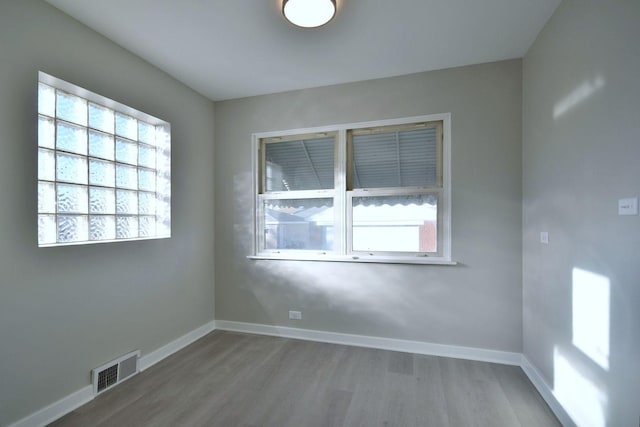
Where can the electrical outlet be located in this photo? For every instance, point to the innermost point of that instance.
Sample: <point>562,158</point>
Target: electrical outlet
<point>295,315</point>
<point>544,237</point>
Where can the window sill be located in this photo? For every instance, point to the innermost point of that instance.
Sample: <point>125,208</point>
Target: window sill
<point>380,259</point>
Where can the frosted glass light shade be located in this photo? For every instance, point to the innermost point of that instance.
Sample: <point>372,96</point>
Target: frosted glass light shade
<point>309,13</point>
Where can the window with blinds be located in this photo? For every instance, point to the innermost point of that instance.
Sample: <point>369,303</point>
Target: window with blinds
<point>103,168</point>
<point>376,191</point>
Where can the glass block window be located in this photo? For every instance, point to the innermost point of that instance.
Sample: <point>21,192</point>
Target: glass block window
<point>104,169</point>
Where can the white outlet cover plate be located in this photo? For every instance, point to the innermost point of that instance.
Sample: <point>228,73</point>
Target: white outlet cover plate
<point>628,206</point>
<point>544,237</point>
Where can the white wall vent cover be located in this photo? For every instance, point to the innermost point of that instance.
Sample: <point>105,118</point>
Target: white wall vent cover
<point>108,375</point>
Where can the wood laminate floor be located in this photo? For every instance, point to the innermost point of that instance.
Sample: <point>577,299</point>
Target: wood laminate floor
<point>230,379</point>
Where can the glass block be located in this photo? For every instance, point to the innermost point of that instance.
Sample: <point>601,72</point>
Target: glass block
<point>163,209</point>
<point>305,224</point>
<point>72,198</point>
<point>46,197</point>
<point>101,118</point>
<point>102,227</point>
<point>126,151</point>
<point>126,227</point>
<point>163,137</point>
<point>102,200</point>
<point>146,133</point>
<point>163,163</point>
<point>71,168</point>
<point>127,202</point>
<point>46,165</point>
<point>71,108</point>
<point>126,126</point>
<point>101,145</point>
<point>102,173</point>
<point>146,203</point>
<point>146,180</point>
<point>46,132</point>
<point>147,226</point>
<point>46,229</point>
<point>46,100</point>
<point>395,223</point>
<point>126,177</point>
<point>73,228</point>
<point>147,156</point>
<point>164,187</point>
<point>71,138</point>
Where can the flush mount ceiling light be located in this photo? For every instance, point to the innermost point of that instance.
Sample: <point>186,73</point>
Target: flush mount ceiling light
<point>309,13</point>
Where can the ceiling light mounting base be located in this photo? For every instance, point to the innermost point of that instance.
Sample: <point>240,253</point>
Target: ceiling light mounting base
<point>309,13</point>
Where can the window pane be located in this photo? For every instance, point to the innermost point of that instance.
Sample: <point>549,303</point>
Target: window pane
<point>46,132</point>
<point>102,227</point>
<point>147,226</point>
<point>126,126</point>
<point>126,151</point>
<point>46,165</point>
<point>146,203</point>
<point>72,228</point>
<point>147,156</point>
<point>300,165</point>
<point>101,145</point>
<point>146,133</point>
<point>71,168</point>
<point>101,118</point>
<point>126,177</point>
<point>71,138</point>
<point>71,108</point>
<point>126,227</point>
<point>46,197</point>
<point>102,200</point>
<point>46,100</point>
<point>127,202</point>
<point>395,223</point>
<point>101,173</point>
<point>395,159</point>
<point>147,180</point>
<point>46,229</point>
<point>298,224</point>
<point>72,198</point>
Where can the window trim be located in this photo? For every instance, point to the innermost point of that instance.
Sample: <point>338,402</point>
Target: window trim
<point>341,194</point>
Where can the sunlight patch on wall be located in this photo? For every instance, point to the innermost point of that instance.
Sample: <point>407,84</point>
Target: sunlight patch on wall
<point>591,315</point>
<point>578,95</point>
<point>581,398</point>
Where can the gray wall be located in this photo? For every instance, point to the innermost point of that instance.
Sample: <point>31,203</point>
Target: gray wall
<point>477,303</point>
<point>578,162</point>
<point>66,310</point>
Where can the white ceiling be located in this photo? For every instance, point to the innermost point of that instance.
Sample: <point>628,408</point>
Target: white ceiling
<point>237,48</point>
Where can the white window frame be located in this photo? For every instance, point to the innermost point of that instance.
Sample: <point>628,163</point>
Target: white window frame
<point>162,169</point>
<point>342,197</point>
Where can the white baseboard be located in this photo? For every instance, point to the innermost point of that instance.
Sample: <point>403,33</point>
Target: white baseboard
<point>393,344</point>
<point>84,395</point>
<point>57,409</point>
<point>156,356</point>
<point>546,392</point>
